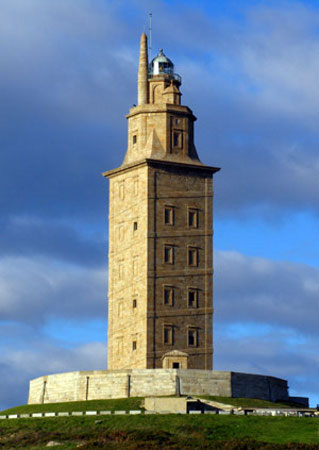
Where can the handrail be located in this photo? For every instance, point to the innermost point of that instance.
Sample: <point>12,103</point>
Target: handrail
<point>168,75</point>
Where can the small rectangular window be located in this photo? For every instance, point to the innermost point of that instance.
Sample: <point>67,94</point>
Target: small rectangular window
<point>169,215</point>
<point>175,365</point>
<point>168,295</point>
<point>168,335</point>
<point>193,257</point>
<point>192,298</point>
<point>134,139</point>
<point>193,218</point>
<point>169,254</point>
<point>134,345</point>
<point>134,226</point>
<point>177,139</point>
<point>192,337</point>
<point>134,303</point>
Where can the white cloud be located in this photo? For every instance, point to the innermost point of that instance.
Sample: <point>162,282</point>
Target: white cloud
<point>43,357</point>
<point>36,289</point>
<point>279,58</point>
<point>258,290</point>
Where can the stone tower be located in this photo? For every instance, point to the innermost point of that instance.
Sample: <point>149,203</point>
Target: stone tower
<point>160,296</point>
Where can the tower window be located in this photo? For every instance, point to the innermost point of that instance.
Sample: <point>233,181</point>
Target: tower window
<point>134,345</point>
<point>168,335</point>
<point>175,365</point>
<point>192,298</point>
<point>169,254</point>
<point>134,139</point>
<point>192,337</point>
<point>177,139</point>
<point>134,303</point>
<point>193,218</point>
<point>134,226</point>
<point>192,256</point>
<point>168,295</point>
<point>169,215</point>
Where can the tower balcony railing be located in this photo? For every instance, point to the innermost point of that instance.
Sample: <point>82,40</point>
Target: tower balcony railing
<point>175,76</point>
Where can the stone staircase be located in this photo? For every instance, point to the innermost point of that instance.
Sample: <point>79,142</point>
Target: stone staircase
<point>217,405</point>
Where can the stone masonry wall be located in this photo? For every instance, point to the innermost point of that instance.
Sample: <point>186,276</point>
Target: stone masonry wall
<point>258,386</point>
<point>181,190</point>
<point>127,296</point>
<point>203,382</point>
<point>102,384</point>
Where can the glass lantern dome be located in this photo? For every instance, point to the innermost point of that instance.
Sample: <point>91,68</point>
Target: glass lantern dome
<point>161,65</point>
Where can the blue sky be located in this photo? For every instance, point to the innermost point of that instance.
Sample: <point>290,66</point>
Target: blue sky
<point>68,77</point>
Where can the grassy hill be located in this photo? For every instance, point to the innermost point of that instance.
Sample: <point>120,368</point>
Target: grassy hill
<point>162,431</point>
<point>123,404</point>
<point>127,404</point>
<point>156,431</point>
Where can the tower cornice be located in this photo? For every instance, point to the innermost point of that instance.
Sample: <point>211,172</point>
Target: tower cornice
<point>161,108</point>
<point>160,163</point>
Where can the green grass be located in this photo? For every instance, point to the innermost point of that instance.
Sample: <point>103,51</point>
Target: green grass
<point>124,404</point>
<point>251,402</point>
<point>162,431</point>
<point>127,404</point>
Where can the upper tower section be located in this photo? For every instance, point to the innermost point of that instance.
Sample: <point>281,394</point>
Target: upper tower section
<point>159,127</point>
<point>164,83</point>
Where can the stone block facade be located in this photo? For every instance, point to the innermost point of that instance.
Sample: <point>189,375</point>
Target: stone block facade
<point>99,384</point>
<point>160,265</point>
<point>259,386</point>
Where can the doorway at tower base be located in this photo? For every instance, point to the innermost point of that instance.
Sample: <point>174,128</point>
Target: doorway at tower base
<point>108,384</point>
<point>175,360</point>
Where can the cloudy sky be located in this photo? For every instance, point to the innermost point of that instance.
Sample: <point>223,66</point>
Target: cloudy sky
<point>250,73</point>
